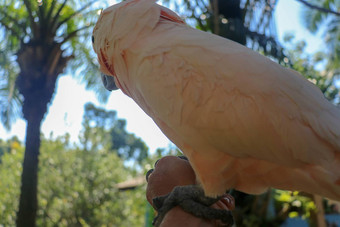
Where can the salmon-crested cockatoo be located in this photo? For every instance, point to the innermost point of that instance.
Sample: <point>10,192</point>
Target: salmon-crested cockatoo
<point>243,121</point>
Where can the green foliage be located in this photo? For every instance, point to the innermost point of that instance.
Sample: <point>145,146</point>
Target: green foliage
<point>76,187</point>
<point>294,205</point>
<point>10,172</point>
<point>127,145</point>
<point>102,128</point>
<point>42,37</point>
<point>97,124</point>
<point>10,100</point>
<point>310,67</point>
<point>329,24</point>
<point>78,184</point>
<point>47,25</point>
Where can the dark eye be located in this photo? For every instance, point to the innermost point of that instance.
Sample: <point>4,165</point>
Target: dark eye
<point>92,39</point>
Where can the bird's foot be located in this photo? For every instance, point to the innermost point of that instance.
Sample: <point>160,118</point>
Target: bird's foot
<point>191,199</point>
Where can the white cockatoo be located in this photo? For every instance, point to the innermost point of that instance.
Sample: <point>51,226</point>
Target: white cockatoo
<point>243,121</point>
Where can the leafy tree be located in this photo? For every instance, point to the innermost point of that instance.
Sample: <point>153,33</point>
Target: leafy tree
<point>10,170</point>
<point>76,187</point>
<point>78,184</point>
<point>107,129</point>
<point>7,146</point>
<point>309,66</point>
<point>41,38</point>
<point>324,16</point>
<point>97,123</point>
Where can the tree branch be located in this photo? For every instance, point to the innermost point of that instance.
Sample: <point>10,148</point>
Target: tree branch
<point>50,11</point>
<point>319,8</point>
<point>41,11</point>
<point>56,16</point>
<point>74,33</point>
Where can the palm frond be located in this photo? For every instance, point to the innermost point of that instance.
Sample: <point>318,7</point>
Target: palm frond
<point>75,33</point>
<point>57,15</point>
<point>8,19</point>
<point>30,11</point>
<point>10,99</point>
<point>50,10</point>
<point>75,13</point>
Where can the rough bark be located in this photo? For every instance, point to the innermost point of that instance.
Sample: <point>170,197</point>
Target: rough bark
<point>29,180</point>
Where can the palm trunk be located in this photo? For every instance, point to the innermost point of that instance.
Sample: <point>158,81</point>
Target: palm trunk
<point>28,198</point>
<point>40,65</point>
<point>37,94</point>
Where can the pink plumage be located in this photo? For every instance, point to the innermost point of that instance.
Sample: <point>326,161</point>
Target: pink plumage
<point>243,121</point>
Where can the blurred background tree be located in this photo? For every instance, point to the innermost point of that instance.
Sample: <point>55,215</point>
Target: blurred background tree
<point>39,39</point>
<point>327,22</point>
<point>78,184</point>
<point>10,170</point>
<point>103,127</point>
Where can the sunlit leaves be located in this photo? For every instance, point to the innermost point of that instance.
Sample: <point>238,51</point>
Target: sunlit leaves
<point>10,172</point>
<point>313,67</point>
<point>294,204</point>
<point>75,186</point>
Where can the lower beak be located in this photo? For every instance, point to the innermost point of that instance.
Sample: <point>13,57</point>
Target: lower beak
<point>109,82</point>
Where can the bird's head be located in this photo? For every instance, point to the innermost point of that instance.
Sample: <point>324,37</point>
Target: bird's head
<point>118,27</point>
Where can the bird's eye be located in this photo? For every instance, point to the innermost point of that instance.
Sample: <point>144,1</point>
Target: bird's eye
<point>92,39</point>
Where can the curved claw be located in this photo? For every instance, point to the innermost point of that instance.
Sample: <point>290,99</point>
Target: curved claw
<point>148,174</point>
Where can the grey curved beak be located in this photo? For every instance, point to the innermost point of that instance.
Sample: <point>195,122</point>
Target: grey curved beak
<point>109,82</point>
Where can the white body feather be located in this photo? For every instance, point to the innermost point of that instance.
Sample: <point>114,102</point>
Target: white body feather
<point>243,121</point>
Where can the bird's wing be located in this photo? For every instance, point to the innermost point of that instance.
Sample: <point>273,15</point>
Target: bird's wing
<point>213,92</point>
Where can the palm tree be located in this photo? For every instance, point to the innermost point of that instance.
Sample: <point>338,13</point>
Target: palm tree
<point>40,39</point>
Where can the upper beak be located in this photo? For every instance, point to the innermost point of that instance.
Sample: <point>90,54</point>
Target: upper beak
<point>109,82</point>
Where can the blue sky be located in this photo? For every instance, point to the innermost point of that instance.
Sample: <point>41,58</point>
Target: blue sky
<point>66,111</point>
<point>288,20</point>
